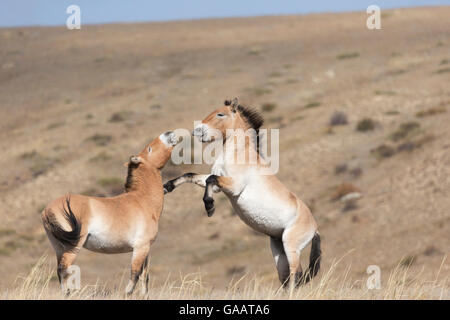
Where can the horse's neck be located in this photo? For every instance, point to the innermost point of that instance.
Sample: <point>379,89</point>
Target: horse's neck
<point>229,158</point>
<point>144,182</point>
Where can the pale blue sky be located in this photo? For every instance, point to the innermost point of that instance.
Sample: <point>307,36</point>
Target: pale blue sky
<point>53,12</point>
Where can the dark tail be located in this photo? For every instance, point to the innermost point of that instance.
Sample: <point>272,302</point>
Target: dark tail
<point>68,238</point>
<point>314,258</point>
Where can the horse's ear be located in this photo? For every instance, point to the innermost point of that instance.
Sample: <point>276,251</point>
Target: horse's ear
<point>135,160</point>
<point>233,104</point>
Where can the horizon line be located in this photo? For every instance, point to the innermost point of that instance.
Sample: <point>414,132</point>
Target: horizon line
<point>131,22</point>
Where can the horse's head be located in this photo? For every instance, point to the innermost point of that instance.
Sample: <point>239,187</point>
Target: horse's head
<point>157,152</point>
<point>231,116</point>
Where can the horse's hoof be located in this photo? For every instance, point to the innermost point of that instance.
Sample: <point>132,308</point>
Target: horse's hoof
<point>209,206</point>
<point>211,211</point>
<point>168,187</point>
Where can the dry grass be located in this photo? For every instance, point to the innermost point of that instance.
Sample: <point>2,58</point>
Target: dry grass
<point>399,284</point>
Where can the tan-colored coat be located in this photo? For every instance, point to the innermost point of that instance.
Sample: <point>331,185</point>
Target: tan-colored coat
<point>257,196</point>
<point>127,222</point>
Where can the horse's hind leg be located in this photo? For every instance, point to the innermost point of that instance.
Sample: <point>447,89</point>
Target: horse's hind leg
<point>65,256</point>
<point>138,259</point>
<point>295,240</point>
<point>281,261</point>
<point>145,277</point>
<point>65,261</point>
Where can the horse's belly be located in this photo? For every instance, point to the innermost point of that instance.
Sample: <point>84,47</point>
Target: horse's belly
<point>262,212</point>
<point>99,243</point>
<point>108,238</point>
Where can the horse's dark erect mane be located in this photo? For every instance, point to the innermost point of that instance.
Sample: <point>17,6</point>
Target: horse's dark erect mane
<point>129,182</point>
<point>250,115</point>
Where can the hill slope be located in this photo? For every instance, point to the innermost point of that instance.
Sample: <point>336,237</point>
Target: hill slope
<point>74,105</point>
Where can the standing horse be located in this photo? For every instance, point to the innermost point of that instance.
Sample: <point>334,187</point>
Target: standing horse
<point>259,199</point>
<point>127,222</point>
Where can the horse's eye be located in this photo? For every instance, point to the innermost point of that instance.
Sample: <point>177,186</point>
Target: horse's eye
<point>220,115</point>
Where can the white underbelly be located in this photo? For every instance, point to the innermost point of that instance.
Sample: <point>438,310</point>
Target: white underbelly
<point>263,211</point>
<point>106,238</point>
<point>104,244</point>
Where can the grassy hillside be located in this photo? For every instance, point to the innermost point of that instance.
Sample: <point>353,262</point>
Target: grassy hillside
<point>357,110</point>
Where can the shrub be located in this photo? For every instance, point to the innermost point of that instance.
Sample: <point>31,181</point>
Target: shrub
<point>41,166</point>
<point>349,206</point>
<point>405,130</point>
<point>415,144</point>
<point>6,232</point>
<point>235,270</point>
<point>356,172</point>
<point>275,74</point>
<point>430,112</point>
<point>29,155</point>
<point>56,125</point>
<point>348,55</point>
<point>268,107</point>
<point>340,168</point>
<point>365,124</point>
<point>431,250</point>
<point>383,151</point>
<point>120,116</point>
<point>37,163</point>
<point>100,139</point>
<point>385,93</point>
<point>392,113</point>
<point>443,70</point>
<point>254,52</point>
<point>261,91</point>
<point>313,104</point>
<point>396,72</point>
<point>338,118</point>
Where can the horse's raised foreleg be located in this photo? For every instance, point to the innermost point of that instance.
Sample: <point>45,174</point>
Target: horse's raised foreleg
<point>223,183</point>
<point>138,259</point>
<point>198,179</point>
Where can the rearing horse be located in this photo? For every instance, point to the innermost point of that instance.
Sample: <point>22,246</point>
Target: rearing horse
<point>259,199</point>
